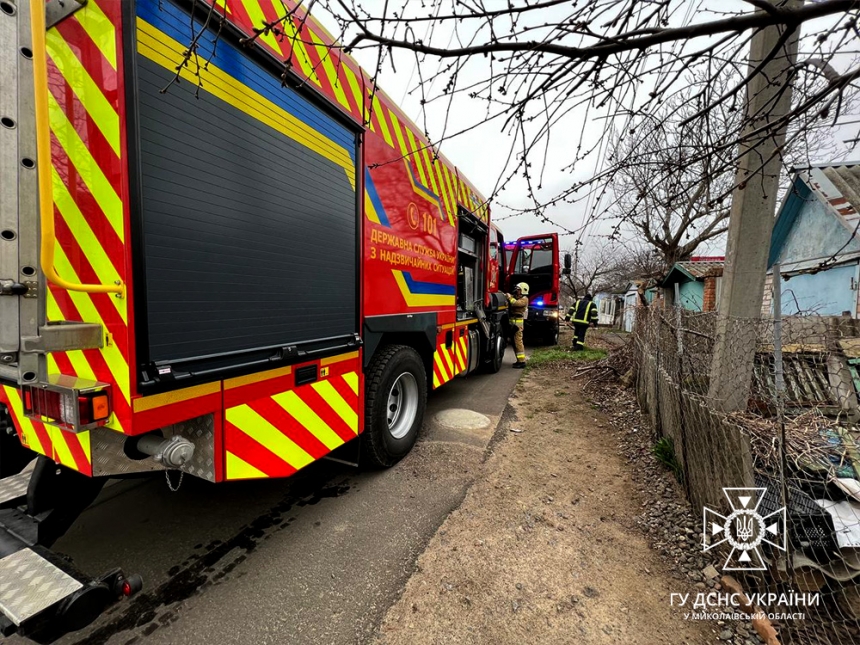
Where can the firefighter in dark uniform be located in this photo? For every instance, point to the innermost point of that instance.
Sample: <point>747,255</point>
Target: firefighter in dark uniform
<point>582,314</point>
<point>518,306</point>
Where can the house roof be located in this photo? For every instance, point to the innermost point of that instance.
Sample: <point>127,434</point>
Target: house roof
<point>836,185</point>
<point>693,271</point>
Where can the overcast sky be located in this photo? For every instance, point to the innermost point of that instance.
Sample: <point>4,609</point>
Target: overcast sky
<point>482,152</point>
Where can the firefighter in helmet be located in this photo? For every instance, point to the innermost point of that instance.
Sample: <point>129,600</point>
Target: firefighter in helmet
<point>583,313</point>
<point>518,307</point>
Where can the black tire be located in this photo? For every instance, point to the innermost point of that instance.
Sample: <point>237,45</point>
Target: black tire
<point>551,337</point>
<point>383,445</point>
<point>494,363</point>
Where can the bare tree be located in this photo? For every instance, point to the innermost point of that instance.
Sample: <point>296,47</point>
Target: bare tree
<point>672,186</point>
<point>601,264</point>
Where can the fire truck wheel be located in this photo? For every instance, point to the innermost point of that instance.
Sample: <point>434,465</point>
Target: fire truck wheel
<point>395,399</point>
<point>494,362</point>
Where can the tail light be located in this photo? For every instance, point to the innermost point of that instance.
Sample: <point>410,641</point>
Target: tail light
<point>70,403</point>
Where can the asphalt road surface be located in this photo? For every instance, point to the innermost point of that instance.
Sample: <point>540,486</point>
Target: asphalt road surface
<point>317,558</point>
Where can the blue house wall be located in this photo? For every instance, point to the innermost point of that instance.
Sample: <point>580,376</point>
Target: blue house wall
<point>807,230</point>
<point>828,293</point>
<point>816,234</point>
<point>692,295</point>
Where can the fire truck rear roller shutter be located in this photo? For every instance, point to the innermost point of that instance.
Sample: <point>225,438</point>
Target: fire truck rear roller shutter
<point>249,236</point>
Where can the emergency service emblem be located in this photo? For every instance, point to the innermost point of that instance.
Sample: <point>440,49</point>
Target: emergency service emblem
<point>745,529</point>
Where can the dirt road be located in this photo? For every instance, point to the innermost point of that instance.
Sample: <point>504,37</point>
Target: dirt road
<point>545,547</point>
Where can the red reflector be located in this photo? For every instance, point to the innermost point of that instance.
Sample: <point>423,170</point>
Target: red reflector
<point>126,589</point>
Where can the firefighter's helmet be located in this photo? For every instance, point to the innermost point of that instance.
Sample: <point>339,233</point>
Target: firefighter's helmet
<point>522,286</point>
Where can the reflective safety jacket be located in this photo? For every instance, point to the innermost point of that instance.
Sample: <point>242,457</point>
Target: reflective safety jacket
<point>518,308</point>
<point>583,312</point>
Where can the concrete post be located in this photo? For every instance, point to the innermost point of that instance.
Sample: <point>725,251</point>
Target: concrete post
<point>751,221</point>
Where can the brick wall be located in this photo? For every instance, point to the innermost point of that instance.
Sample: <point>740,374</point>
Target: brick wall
<point>709,300</point>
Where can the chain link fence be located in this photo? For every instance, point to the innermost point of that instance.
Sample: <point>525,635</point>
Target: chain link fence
<point>769,407</point>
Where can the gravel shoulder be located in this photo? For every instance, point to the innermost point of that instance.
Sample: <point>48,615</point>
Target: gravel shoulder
<point>547,546</point>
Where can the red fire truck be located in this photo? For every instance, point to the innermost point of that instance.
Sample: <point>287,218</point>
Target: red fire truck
<point>211,265</point>
<point>534,260</point>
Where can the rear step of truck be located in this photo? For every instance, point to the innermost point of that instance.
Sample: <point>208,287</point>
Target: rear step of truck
<point>42,595</point>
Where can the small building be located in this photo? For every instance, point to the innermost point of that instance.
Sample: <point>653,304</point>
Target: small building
<point>609,307</point>
<point>694,284</point>
<point>637,290</point>
<point>815,241</point>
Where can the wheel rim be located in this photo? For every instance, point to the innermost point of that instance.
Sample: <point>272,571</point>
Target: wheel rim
<point>402,405</point>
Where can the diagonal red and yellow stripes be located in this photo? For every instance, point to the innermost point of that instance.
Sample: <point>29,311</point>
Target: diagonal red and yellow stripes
<point>448,361</point>
<point>278,434</point>
<point>87,170</point>
<point>67,448</point>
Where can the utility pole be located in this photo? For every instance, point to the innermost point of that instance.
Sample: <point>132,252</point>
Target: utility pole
<point>751,219</point>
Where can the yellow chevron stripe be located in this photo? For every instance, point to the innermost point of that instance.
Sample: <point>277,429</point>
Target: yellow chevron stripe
<point>326,390</point>
<point>163,50</point>
<point>431,175</point>
<point>83,302</point>
<point>447,356</point>
<point>295,41</point>
<point>301,411</point>
<point>89,170</point>
<point>88,93</point>
<point>380,116</point>
<point>352,381</point>
<point>264,433</point>
<point>85,237</point>
<point>452,193</point>
<point>437,358</point>
<point>458,362</point>
<point>439,167</point>
<point>84,438</point>
<point>240,469</point>
<point>99,28</point>
<point>436,382</point>
<point>330,71</point>
<point>395,125</point>
<point>258,20</point>
<point>416,156</point>
<point>352,81</point>
<point>26,426</point>
<point>62,453</point>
